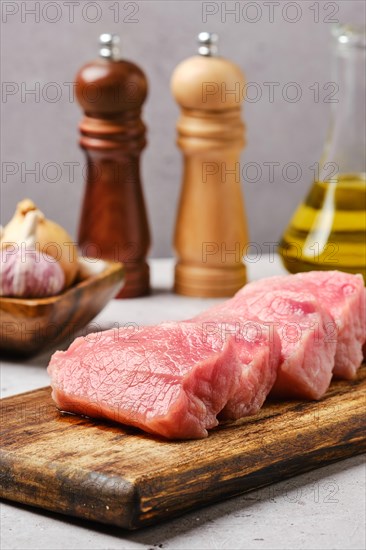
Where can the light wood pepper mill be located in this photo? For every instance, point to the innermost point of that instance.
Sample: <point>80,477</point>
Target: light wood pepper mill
<point>211,231</point>
<point>113,221</point>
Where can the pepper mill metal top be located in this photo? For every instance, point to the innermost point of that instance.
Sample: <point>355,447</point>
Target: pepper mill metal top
<point>109,46</point>
<point>204,81</point>
<point>208,43</point>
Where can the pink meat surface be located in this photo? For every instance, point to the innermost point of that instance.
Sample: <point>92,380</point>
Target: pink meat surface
<point>259,359</point>
<point>173,379</point>
<point>343,296</point>
<point>307,355</point>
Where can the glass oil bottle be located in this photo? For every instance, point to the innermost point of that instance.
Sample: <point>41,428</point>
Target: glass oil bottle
<point>328,230</point>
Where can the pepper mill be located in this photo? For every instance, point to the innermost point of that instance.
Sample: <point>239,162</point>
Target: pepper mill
<point>113,222</point>
<point>211,231</point>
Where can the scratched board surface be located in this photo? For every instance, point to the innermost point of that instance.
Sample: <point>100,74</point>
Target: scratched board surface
<point>116,475</point>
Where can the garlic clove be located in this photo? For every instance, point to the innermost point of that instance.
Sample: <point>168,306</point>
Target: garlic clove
<point>89,267</point>
<point>36,276</point>
<point>52,239</point>
<point>25,270</point>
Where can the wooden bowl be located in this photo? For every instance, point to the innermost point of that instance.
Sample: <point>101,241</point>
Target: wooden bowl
<point>31,325</point>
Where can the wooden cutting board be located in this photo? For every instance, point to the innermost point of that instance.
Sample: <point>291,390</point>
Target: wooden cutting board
<point>120,476</point>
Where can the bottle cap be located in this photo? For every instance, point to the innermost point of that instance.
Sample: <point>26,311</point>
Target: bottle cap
<point>208,43</point>
<point>350,35</point>
<point>109,46</point>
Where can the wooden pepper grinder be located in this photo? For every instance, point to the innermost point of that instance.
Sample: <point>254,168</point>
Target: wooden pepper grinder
<point>211,231</point>
<point>113,221</point>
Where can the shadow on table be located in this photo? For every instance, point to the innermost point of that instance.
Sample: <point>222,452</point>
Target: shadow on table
<point>42,359</point>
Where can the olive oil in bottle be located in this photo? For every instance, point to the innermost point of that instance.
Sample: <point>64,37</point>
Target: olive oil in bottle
<point>328,230</point>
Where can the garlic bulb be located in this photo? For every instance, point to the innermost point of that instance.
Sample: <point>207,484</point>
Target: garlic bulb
<point>27,272</point>
<point>52,239</point>
<point>89,267</point>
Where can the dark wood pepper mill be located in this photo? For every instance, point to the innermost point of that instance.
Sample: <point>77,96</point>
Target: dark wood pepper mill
<point>113,221</point>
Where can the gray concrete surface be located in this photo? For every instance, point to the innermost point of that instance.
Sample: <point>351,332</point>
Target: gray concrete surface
<point>323,509</point>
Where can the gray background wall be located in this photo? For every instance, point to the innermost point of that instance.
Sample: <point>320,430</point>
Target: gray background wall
<point>43,129</point>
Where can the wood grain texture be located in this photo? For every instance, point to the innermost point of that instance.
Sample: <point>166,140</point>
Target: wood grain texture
<point>113,222</point>
<point>211,229</point>
<point>115,475</point>
<point>31,325</point>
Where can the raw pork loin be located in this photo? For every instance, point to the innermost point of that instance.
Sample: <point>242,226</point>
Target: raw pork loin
<point>307,357</point>
<point>343,296</point>
<point>172,379</point>
<point>176,379</point>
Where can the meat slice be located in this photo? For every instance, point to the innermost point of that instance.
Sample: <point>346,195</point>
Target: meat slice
<point>171,379</point>
<point>343,296</point>
<point>307,356</point>
<point>259,360</point>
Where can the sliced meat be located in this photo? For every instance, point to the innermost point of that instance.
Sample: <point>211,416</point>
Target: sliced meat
<point>177,379</point>
<point>259,360</point>
<point>343,296</point>
<point>307,356</point>
<point>172,379</point>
